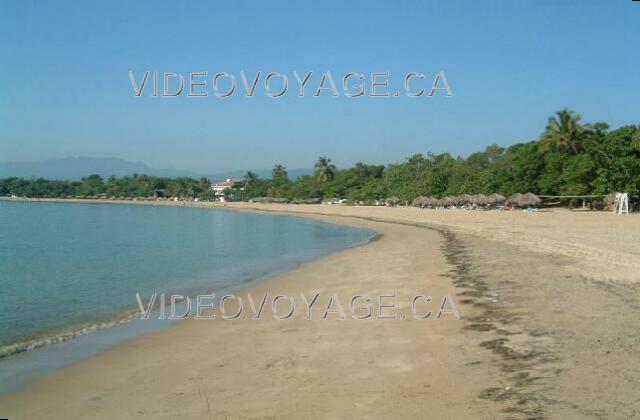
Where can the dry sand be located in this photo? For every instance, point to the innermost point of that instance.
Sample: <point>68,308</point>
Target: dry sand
<point>548,304</point>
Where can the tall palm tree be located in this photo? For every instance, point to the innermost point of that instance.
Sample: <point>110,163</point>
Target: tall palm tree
<point>279,174</point>
<point>204,187</point>
<point>564,131</point>
<point>204,184</point>
<point>325,170</point>
<point>250,178</point>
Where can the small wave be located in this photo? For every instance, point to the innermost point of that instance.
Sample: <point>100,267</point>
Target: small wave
<point>35,343</point>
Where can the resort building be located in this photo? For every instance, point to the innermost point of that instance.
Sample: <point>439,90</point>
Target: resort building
<point>219,187</point>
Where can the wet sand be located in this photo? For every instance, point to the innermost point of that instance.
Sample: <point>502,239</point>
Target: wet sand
<point>548,329</point>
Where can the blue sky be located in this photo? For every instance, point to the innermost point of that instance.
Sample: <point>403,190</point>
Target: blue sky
<point>66,91</point>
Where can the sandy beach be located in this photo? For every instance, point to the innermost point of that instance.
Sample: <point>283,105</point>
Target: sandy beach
<point>548,306</point>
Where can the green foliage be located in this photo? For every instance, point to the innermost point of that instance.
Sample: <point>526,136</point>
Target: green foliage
<point>564,132</point>
<point>618,164</point>
<point>578,173</point>
<point>254,186</point>
<point>94,186</point>
<point>280,183</point>
<point>324,170</point>
<point>569,159</point>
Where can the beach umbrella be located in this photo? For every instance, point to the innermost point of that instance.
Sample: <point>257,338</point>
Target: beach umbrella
<point>481,200</point>
<point>496,199</point>
<point>518,200</point>
<point>392,201</point>
<point>418,202</point>
<point>530,199</point>
<point>465,199</point>
<point>609,201</point>
<point>428,201</point>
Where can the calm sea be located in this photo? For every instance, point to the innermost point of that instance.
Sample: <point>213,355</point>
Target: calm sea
<point>74,269</point>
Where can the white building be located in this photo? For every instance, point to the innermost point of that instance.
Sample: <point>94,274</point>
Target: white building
<point>219,187</point>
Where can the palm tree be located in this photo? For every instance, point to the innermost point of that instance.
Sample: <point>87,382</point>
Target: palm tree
<point>564,131</point>
<point>279,174</point>
<point>250,178</point>
<point>325,170</point>
<point>204,188</point>
<point>204,184</point>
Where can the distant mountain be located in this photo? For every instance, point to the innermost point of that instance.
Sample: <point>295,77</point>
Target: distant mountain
<point>74,168</point>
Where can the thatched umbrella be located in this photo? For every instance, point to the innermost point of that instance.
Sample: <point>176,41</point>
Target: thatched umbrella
<point>496,199</point>
<point>429,202</point>
<point>530,199</point>
<point>465,199</point>
<point>609,201</point>
<point>426,201</point>
<point>392,201</point>
<point>525,200</point>
<point>517,200</point>
<point>419,202</point>
<point>480,200</point>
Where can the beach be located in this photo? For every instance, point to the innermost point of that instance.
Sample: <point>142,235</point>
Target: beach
<point>547,328</point>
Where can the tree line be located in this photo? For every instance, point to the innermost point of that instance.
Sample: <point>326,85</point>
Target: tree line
<point>569,158</point>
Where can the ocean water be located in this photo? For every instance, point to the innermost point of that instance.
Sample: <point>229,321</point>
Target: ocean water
<point>69,272</point>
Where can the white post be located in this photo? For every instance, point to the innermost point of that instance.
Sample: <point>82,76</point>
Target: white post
<point>622,203</point>
<point>624,208</point>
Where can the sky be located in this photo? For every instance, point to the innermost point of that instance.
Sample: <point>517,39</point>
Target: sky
<point>65,87</point>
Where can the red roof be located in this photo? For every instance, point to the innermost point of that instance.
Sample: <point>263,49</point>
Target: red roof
<point>229,183</point>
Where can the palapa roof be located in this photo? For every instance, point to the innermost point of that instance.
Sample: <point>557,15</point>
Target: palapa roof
<point>524,200</point>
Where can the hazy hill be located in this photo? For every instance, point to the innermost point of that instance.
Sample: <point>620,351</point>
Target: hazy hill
<point>71,168</point>
<point>74,168</point>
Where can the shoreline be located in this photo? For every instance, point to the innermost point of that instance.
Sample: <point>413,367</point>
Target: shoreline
<point>42,391</point>
<point>594,239</point>
<point>122,317</point>
<point>492,361</point>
